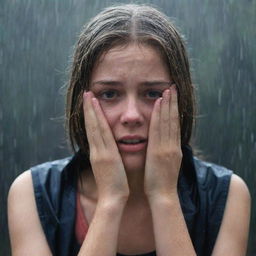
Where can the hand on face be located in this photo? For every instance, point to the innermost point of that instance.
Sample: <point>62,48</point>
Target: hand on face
<point>164,153</point>
<point>163,157</point>
<point>105,159</point>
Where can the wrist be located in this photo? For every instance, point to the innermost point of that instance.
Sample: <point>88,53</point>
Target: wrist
<point>162,199</point>
<point>112,204</point>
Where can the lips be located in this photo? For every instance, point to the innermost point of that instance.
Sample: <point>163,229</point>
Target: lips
<point>132,143</point>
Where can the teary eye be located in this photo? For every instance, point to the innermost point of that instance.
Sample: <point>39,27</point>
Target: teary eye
<point>109,94</point>
<point>154,94</point>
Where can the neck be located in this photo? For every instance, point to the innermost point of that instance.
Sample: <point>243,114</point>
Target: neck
<point>135,181</point>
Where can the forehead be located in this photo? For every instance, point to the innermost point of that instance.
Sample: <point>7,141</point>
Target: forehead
<point>135,51</point>
<point>131,60</point>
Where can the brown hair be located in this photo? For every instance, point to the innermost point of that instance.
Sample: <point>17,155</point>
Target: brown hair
<point>120,25</point>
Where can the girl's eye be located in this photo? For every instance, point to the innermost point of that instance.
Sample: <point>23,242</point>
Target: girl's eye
<point>108,95</point>
<point>154,94</point>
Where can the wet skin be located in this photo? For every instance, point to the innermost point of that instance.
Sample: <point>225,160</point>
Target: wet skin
<point>132,99</point>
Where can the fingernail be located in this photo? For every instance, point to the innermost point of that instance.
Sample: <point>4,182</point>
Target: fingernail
<point>174,88</point>
<point>167,92</point>
<point>84,94</point>
<point>87,93</point>
<point>158,101</point>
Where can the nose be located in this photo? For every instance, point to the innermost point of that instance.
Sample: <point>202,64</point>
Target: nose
<point>132,113</point>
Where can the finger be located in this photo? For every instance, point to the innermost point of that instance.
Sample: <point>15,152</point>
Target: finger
<point>165,117</point>
<point>174,116</point>
<point>91,123</point>
<point>105,131</point>
<point>154,133</point>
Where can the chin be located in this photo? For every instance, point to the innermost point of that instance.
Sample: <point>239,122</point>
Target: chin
<point>133,162</point>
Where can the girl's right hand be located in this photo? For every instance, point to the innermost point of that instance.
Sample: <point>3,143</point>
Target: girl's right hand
<point>106,162</point>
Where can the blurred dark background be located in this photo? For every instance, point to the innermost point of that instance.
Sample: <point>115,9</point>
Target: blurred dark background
<point>36,42</point>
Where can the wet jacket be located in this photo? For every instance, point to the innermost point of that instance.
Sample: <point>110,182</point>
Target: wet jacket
<point>202,188</point>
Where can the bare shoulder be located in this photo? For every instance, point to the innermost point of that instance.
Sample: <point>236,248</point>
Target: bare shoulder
<point>23,221</point>
<point>238,185</point>
<point>233,234</point>
<point>23,181</point>
<point>239,194</point>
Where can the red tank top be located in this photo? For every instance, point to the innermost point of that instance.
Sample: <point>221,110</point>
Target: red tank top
<point>81,227</point>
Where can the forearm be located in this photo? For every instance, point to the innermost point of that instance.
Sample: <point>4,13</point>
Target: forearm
<point>170,230</point>
<point>102,235</point>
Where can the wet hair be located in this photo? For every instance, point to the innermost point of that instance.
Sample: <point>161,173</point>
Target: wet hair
<point>121,25</point>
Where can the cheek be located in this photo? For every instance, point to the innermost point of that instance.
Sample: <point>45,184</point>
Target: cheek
<point>148,110</point>
<point>110,113</point>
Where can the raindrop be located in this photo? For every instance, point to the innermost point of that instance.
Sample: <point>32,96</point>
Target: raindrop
<point>14,143</point>
<point>57,12</point>
<point>34,109</point>
<point>244,134</point>
<point>241,53</point>
<point>1,114</point>
<point>238,75</point>
<point>244,116</point>
<point>1,139</point>
<point>14,113</point>
<point>219,96</point>
<point>1,56</point>
<point>250,89</point>
<point>252,137</point>
<point>30,132</point>
<point>240,150</point>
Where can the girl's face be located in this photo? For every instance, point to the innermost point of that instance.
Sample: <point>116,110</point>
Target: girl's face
<point>127,80</point>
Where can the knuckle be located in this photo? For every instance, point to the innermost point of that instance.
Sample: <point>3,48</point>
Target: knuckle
<point>175,152</point>
<point>165,120</point>
<point>93,130</point>
<point>175,117</point>
<point>161,154</point>
<point>93,158</point>
<point>102,158</point>
<point>167,153</point>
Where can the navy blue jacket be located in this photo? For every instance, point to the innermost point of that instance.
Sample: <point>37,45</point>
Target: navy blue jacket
<point>202,188</point>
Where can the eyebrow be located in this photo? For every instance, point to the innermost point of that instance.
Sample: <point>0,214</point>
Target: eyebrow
<point>156,82</point>
<point>107,82</point>
<point>145,83</point>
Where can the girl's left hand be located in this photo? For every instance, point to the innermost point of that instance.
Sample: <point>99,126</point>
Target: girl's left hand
<point>164,153</point>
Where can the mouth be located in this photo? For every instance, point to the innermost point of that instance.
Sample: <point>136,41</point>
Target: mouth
<point>132,144</point>
<point>132,141</point>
